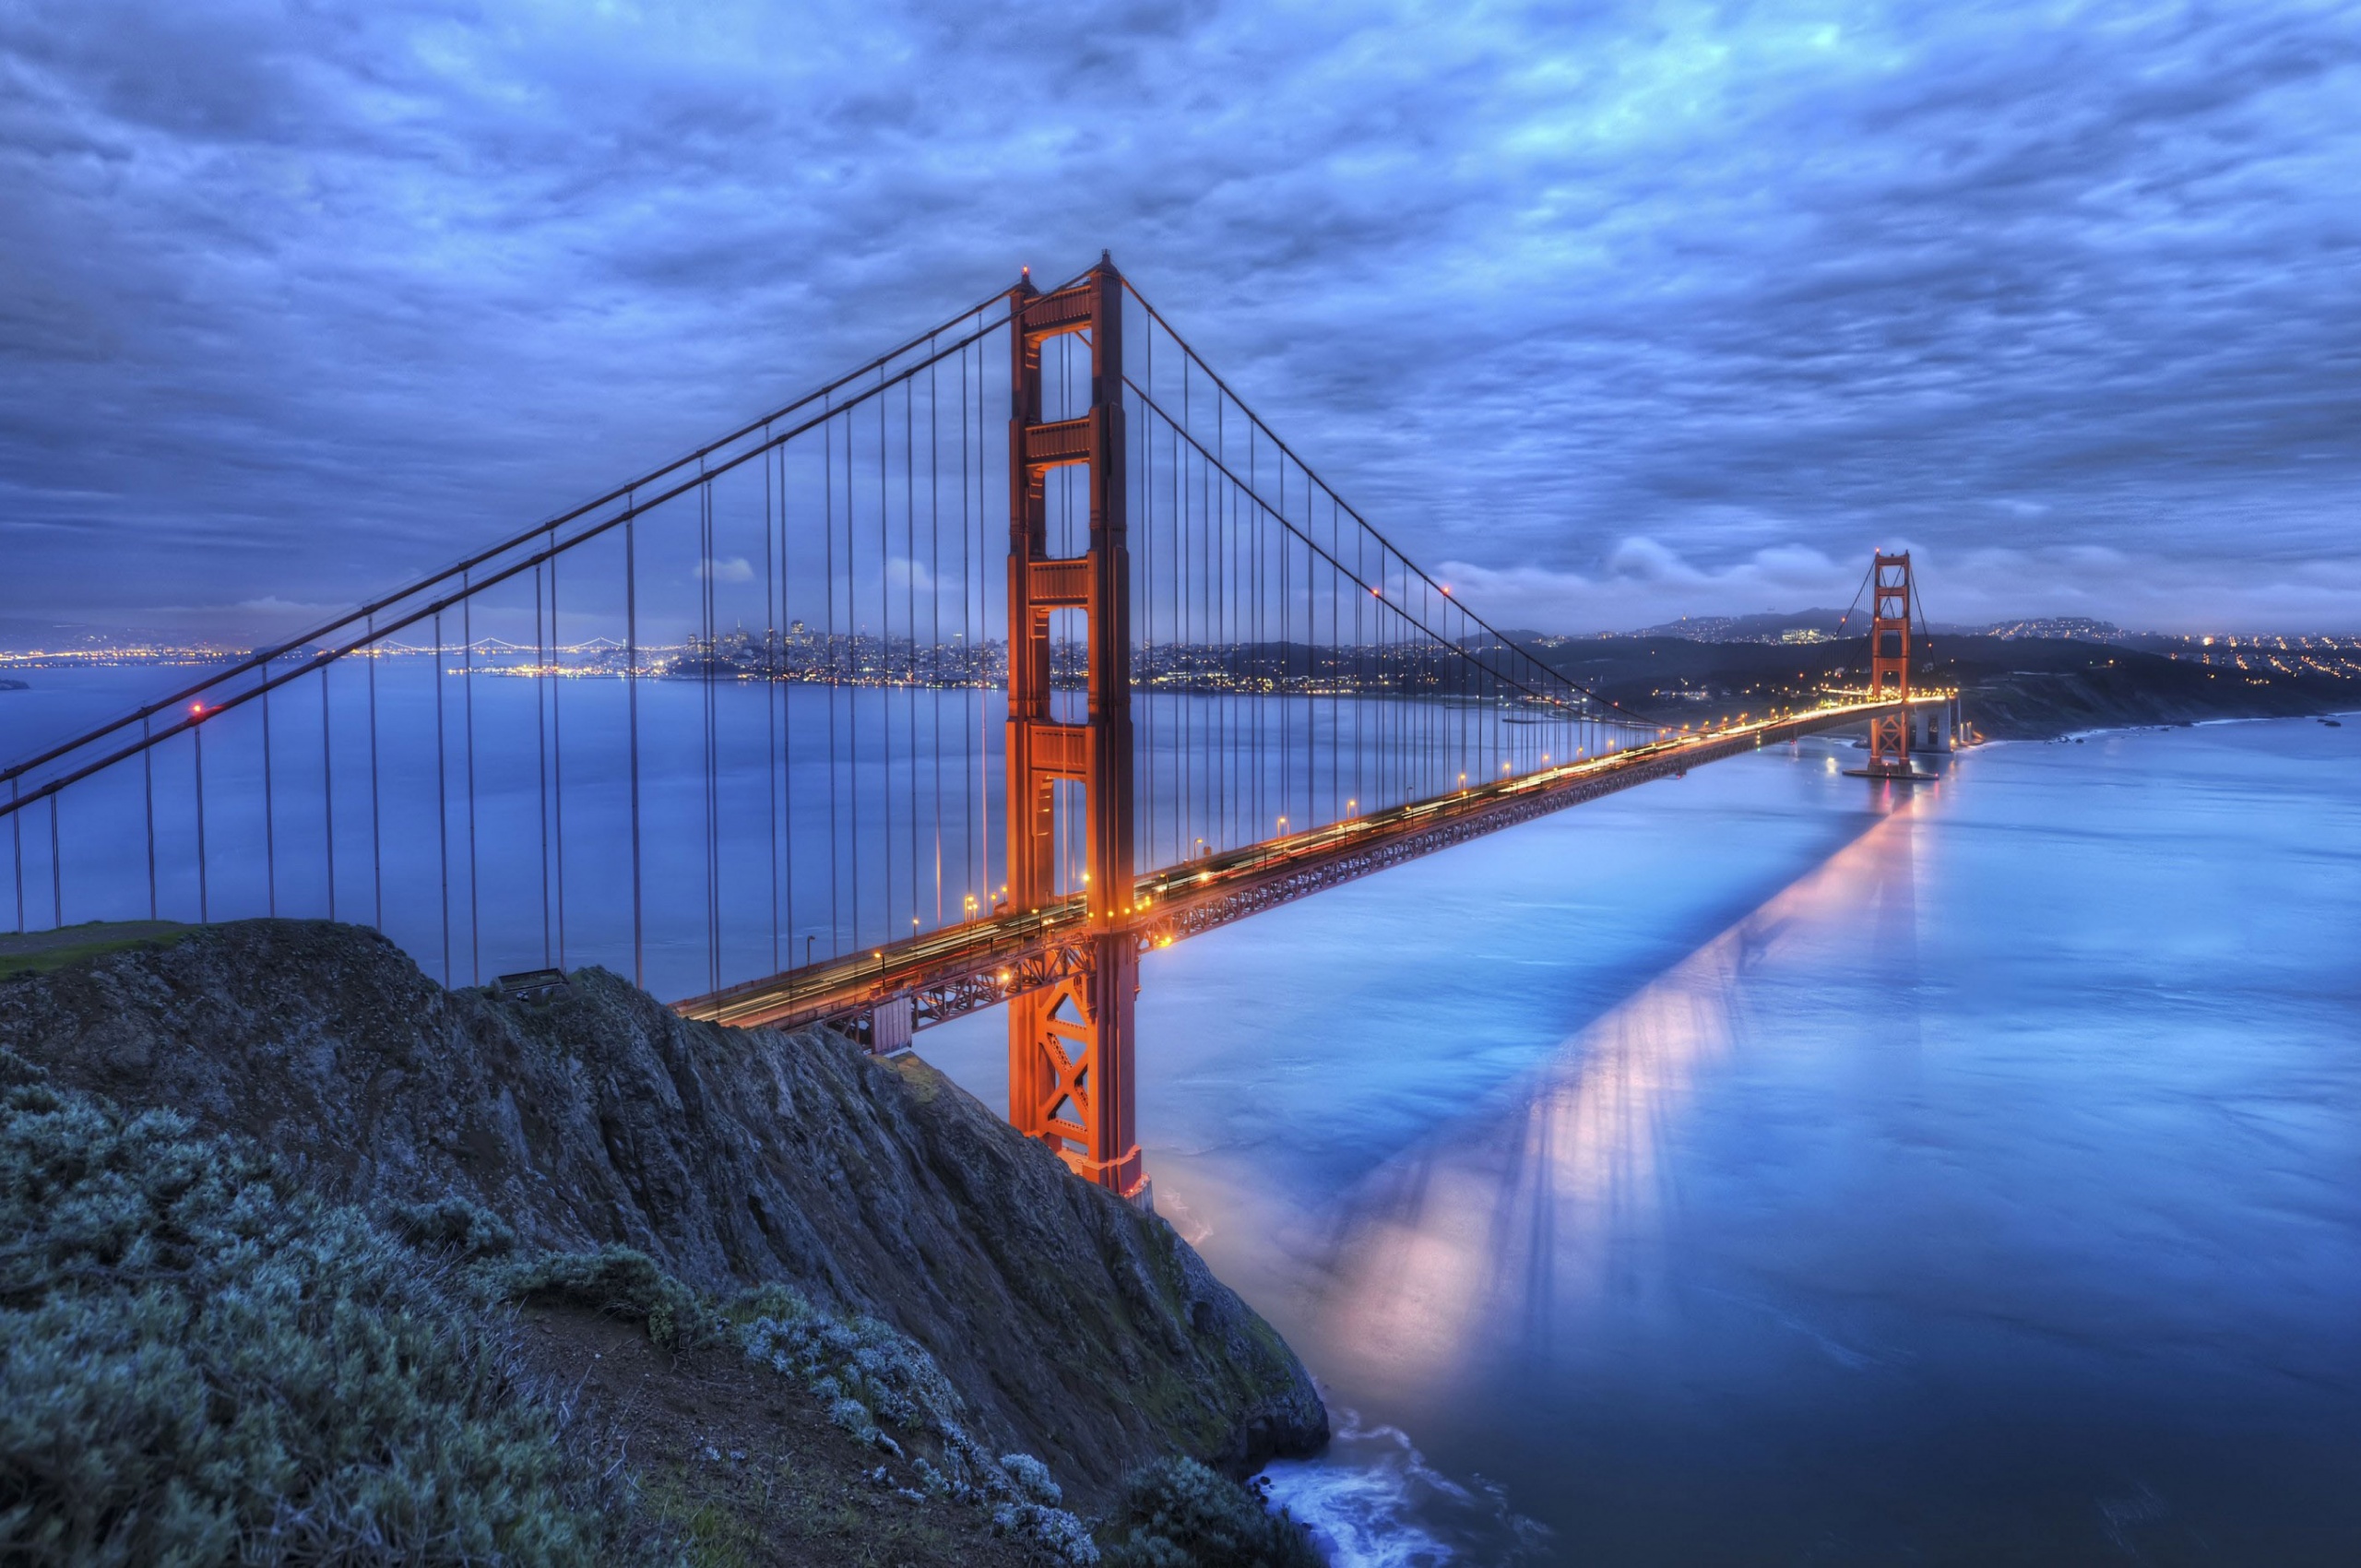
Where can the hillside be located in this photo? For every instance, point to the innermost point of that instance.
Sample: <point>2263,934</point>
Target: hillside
<point>1067,1324</point>
<point>2010,688</point>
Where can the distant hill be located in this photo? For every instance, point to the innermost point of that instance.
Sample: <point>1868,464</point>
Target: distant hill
<point>2010,686</point>
<point>1770,627</point>
<point>2069,628</point>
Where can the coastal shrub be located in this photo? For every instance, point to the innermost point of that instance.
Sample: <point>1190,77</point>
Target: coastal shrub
<point>861,1359</point>
<point>1031,1478</point>
<point>869,1375</point>
<point>206,1366</point>
<point>1052,1531</point>
<point>1178,1513</point>
<point>619,1281</point>
<point>454,1225</point>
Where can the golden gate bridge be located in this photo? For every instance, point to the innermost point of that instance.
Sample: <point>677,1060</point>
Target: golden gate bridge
<point>964,680</point>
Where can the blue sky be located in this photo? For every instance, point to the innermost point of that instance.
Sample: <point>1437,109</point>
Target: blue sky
<point>1610,312</point>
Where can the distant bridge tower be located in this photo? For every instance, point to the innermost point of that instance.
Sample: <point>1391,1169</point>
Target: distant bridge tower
<point>1891,600</point>
<point>1070,1044</point>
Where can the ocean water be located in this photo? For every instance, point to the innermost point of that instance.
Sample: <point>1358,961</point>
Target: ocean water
<point>1768,1168</point>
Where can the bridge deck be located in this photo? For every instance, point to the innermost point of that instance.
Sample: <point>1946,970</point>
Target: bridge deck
<point>961,968</point>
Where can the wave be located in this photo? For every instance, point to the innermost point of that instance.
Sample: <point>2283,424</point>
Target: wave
<point>1373,1501</point>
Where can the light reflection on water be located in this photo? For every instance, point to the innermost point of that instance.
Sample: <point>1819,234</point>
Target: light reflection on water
<point>1508,1221</point>
<point>1748,1169</point>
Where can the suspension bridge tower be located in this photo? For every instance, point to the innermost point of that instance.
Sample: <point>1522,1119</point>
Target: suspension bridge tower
<point>1070,1044</point>
<point>1890,599</point>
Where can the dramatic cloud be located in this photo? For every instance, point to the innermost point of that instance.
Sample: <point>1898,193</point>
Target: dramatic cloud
<point>1624,310</point>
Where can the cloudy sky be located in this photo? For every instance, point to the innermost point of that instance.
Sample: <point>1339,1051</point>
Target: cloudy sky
<point>1611,312</point>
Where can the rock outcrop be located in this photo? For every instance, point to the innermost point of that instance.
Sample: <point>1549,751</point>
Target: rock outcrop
<point>1077,1327</point>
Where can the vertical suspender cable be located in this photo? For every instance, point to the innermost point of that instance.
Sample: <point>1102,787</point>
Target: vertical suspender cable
<point>147,772</point>
<point>541,745</point>
<point>1184,810</point>
<point>204,892</point>
<point>911,619</point>
<point>934,608</point>
<point>771,685</point>
<point>828,537</point>
<point>706,571</point>
<point>881,653</point>
<point>975,852</point>
<point>377,844</point>
<point>269,836</point>
<point>787,700</point>
<point>328,792</point>
<point>557,758</point>
<point>442,800</point>
<point>854,885</point>
<point>468,719</point>
<point>631,703</point>
<point>968,671</point>
<point>1141,520</point>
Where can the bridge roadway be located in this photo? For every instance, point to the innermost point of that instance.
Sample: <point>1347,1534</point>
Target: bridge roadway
<point>977,963</point>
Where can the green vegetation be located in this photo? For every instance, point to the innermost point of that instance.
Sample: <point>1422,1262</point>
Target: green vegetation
<point>1176,1514</point>
<point>456,1228</point>
<point>872,1377</point>
<point>207,1366</point>
<point>39,951</point>
<point>620,1283</point>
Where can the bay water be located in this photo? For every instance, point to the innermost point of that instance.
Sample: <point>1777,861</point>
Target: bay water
<point>1767,1167</point>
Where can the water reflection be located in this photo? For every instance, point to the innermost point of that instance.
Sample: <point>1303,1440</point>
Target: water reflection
<point>1492,1236</point>
<point>1724,1173</point>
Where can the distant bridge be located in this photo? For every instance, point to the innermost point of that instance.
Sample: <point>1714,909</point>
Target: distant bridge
<point>1039,603</point>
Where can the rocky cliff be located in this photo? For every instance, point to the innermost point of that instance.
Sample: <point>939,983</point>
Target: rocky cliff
<point>1078,1328</point>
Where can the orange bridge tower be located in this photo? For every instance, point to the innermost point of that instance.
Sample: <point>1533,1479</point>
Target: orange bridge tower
<point>1891,600</point>
<point>1070,1044</point>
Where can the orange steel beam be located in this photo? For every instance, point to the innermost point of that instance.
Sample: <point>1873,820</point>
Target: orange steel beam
<point>1014,954</point>
<point>1071,1036</point>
